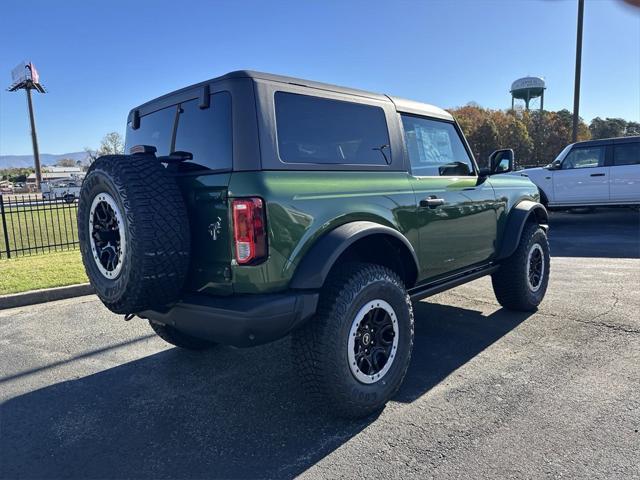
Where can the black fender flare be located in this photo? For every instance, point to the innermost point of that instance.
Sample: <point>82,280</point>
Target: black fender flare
<point>544,198</point>
<point>518,217</point>
<point>317,262</point>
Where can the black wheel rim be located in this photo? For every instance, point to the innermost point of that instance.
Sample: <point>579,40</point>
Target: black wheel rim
<point>107,235</point>
<point>373,341</point>
<point>535,267</point>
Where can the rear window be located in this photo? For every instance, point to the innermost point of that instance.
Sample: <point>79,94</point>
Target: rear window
<point>626,154</point>
<point>156,129</point>
<point>317,130</point>
<point>205,133</point>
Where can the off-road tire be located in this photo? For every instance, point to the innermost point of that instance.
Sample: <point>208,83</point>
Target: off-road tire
<point>510,283</point>
<point>320,347</point>
<point>178,338</point>
<point>156,261</point>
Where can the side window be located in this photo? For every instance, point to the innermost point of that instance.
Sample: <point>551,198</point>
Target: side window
<point>587,157</point>
<point>626,154</point>
<point>206,133</point>
<point>156,129</point>
<point>435,148</point>
<point>316,130</point>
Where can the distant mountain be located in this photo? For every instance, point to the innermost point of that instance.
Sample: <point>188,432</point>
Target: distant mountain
<point>25,161</point>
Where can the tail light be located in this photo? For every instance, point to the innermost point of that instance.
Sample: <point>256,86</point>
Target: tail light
<point>249,230</point>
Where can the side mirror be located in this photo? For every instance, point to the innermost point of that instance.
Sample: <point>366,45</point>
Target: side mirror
<point>554,166</point>
<point>501,161</point>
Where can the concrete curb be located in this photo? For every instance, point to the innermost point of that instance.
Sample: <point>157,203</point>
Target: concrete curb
<point>45,295</point>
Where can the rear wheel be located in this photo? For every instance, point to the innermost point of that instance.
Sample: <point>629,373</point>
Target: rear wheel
<point>354,354</point>
<point>522,280</point>
<point>179,339</point>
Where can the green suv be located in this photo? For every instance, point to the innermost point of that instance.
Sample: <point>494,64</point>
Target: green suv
<point>251,206</point>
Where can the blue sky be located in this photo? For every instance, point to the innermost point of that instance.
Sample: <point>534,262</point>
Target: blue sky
<point>98,59</point>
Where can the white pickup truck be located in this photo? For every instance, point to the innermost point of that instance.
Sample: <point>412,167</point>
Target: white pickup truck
<point>67,191</point>
<point>589,174</point>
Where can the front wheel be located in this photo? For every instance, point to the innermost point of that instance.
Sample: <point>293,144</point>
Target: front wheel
<point>521,282</point>
<point>353,355</point>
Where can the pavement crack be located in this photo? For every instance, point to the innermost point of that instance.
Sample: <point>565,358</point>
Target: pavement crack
<point>611,326</point>
<point>610,309</point>
<point>594,320</point>
<point>591,321</point>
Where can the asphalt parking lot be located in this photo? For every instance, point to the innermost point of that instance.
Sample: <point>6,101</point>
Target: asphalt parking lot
<point>489,393</point>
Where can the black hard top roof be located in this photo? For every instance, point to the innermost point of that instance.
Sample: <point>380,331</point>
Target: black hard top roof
<point>300,81</point>
<point>401,104</point>
<point>607,141</point>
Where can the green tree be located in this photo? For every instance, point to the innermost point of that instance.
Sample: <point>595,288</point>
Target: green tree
<point>633,128</point>
<point>469,117</point>
<point>484,140</point>
<point>512,133</point>
<point>538,126</point>
<point>550,132</point>
<point>15,175</point>
<point>607,128</point>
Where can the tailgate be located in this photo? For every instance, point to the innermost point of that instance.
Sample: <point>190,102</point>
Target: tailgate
<point>207,206</point>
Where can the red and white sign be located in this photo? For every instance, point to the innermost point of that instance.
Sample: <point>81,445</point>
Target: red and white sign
<point>25,71</point>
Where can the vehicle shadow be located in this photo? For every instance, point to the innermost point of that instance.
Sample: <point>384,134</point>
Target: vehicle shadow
<point>223,413</point>
<point>448,337</point>
<point>604,233</point>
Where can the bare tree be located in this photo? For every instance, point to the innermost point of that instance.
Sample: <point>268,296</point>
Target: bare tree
<point>66,162</point>
<point>92,155</point>
<point>111,144</point>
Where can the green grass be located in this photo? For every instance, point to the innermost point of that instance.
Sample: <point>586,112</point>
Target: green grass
<point>35,228</point>
<point>41,271</point>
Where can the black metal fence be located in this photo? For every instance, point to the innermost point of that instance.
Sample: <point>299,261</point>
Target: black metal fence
<point>30,224</point>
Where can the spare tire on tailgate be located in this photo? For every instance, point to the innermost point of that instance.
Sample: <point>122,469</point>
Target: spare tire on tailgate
<point>134,232</point>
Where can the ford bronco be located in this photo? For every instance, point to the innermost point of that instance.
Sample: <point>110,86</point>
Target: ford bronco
<point>252,206</point>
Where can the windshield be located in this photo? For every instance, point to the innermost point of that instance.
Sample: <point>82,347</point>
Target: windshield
<point>562,154</point>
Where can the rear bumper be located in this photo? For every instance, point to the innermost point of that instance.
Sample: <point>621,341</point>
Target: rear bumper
<point>239,320</point>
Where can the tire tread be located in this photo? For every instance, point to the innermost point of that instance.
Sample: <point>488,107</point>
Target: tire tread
<point>510,283</point>
<point>157,228</point>
<point>316,347</point>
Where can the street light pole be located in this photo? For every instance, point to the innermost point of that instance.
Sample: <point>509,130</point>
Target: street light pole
<point>576,87</point>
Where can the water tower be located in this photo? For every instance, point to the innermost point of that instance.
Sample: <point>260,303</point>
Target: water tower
<point>528,88</point>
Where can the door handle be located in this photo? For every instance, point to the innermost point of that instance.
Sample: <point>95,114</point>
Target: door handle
<point>597,174</point>
<point>432,202</point>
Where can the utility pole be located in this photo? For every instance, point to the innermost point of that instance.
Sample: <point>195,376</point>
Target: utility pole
<point>576,86</point>
<point>25,77</point>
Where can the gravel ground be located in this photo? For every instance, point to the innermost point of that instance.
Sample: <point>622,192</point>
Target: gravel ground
<point>489,393</point>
